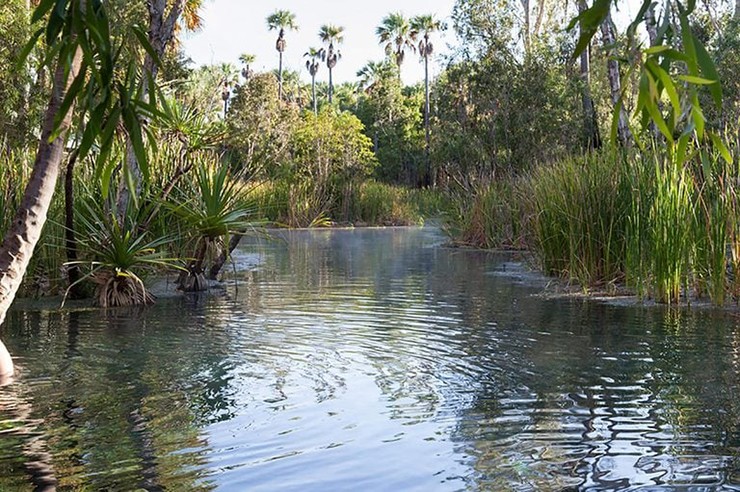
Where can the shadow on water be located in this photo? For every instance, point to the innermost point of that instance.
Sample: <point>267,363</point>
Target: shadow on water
<point>373,360</point>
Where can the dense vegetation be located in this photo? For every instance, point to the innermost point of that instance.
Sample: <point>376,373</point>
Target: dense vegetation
<point>606,152</point>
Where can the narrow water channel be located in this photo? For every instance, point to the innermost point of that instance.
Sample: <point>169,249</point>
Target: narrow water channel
<point>372,360</point>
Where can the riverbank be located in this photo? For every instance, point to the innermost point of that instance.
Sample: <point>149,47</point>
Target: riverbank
<point>666,231</point>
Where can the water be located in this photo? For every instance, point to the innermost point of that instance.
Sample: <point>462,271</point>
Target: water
<point>373,360</point>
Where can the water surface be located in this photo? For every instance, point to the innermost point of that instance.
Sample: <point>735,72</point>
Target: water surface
<point>372,360</point>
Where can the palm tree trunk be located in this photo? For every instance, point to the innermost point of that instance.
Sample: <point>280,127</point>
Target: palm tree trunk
<point>25,231</point>
<point>427,130</point>
<point>331,86</point>
<point>280,76</point>
<point>313,94</point>
<point>615,84</point>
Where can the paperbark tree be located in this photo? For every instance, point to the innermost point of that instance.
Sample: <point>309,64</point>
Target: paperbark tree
<point>624,134</point>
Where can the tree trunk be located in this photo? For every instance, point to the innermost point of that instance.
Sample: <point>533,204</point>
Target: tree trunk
<point>615,84</point>
<point>224,255</point>
<point>527,29</point>
<point>651,24</point>
<point>427,130</point>
<point>331,86</point>
<point>161,32</point>
<point>280,77</point>
<point>736,15</point>
<point>25,231</point>
<point>590,120</point>
<point>73,272</point>
<point>313,94</point>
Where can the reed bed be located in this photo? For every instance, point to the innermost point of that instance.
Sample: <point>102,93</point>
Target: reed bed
<point>663,229</point>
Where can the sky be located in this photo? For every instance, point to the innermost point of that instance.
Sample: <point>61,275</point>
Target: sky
<point>233,27</point>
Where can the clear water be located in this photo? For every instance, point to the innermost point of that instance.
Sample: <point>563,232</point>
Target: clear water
<point>372,360</point>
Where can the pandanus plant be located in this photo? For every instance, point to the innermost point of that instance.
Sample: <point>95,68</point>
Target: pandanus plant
<point>281,20</point>
<point>312,65</point>
<point>331,35</point>
<point>215,208</point>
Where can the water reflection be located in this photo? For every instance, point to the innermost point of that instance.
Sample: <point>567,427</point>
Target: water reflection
<point>373,360</point>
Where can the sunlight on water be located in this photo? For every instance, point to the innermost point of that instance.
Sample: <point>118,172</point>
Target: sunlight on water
<point>372,360</point>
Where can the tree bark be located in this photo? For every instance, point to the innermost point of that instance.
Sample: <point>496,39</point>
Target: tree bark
<point>590,120</point>
<point>651,24</point>
<point>224,255</point>
<point>313,94</point>
<point>73,272</point>
<point>280,77</point>
<point>427,131</point>
<point>161,32</point>
<point>736,15</point>
<point>331,86</point>
<point>615,84</point>
<point>25,231</point>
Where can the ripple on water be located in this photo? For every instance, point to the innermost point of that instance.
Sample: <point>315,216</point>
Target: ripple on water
<point>367,360</point>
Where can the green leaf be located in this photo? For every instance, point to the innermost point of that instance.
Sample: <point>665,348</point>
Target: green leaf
<point>589,20</point>
<point>659,121</point>
<point>27,48</point>
<point>41,10</point>
<point>721,147</point>
<point>144,42</point>
<point>709,71</point>
<point>693,79</point>
<point>667,83</point>
<point>72,92</point>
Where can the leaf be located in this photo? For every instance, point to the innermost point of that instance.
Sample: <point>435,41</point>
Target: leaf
<point>670,89</point>
<point>721,147</point>
<point>709,71</point>
<point>659,121</point>
<point>41,10</point>
<point>590,20</point>
<point>27,48</point>
<point>144,42</point>
<point>693,79</point>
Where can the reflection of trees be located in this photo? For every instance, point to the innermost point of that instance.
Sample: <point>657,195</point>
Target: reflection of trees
<point>608,397</point>
<point>545,394</point>
<point>122,396</point>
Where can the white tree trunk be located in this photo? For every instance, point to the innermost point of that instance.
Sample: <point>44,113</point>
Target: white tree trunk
<point>615,84</point>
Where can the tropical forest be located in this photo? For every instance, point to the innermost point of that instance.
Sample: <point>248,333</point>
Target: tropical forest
<point>434,245</point>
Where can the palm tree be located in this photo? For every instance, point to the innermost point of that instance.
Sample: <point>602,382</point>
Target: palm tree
<point>373,72</point>
<point>424,25</point>
<point>281,20</point>
<point>394,32</point>
<point>247,59</point>
<point>312,65</point>
<point>331,35</point>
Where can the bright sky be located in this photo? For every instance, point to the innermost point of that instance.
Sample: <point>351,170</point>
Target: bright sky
<point>233,27</point>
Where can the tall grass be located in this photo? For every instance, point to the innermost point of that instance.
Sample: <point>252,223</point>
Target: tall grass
<point>578,216</point>
<point>304,204</point>
<point>665,229</point>
<point>490,216</point>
